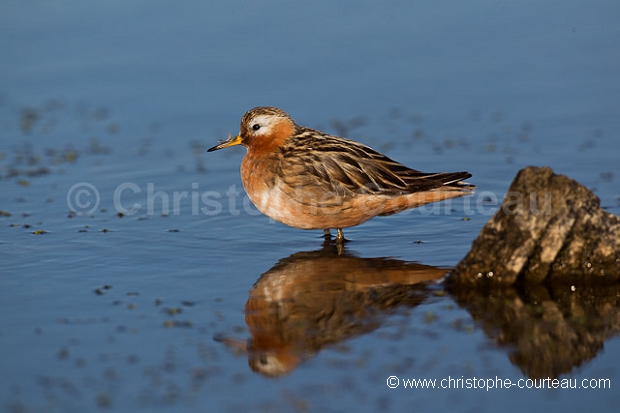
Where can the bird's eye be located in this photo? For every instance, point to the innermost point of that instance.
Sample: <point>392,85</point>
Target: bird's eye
<point>256,126</point>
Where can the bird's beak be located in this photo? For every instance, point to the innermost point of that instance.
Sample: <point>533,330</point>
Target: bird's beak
<point>229,142</point>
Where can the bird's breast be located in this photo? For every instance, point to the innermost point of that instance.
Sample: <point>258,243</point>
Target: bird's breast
<point>260,181</point>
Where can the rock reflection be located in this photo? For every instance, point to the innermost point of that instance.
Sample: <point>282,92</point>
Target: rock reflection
<point>314,299</point>
<point>547,330</point>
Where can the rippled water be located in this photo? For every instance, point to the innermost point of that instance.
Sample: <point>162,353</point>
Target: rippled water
<point>109,108</point>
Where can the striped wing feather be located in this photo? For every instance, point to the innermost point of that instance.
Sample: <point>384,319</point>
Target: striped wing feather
<point>344,167</point>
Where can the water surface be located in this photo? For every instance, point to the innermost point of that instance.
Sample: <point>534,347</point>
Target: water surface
<point>120,312</point>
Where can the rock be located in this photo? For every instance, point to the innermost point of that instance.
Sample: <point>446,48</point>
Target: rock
<point>549,227</point>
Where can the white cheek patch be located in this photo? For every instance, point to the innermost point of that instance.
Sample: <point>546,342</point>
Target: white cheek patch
<point>265,122</point>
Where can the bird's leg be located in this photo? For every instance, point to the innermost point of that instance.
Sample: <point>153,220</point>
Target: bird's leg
<point>340,237</point>
<point>340,241</point>
<point>326,234</point>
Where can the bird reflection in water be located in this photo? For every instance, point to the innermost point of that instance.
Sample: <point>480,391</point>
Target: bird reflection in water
<point>311,300</point>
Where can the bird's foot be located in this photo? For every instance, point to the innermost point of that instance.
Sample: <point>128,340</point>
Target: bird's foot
<point>327,235</point>
<point>339,241</point>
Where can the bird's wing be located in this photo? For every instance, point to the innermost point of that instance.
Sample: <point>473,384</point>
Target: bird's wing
<point>344,167</point>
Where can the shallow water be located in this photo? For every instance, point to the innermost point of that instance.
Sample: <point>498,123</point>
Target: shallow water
<point>120,312</point>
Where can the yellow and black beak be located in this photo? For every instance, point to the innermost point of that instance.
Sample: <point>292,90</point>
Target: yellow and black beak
<point>229,142</point>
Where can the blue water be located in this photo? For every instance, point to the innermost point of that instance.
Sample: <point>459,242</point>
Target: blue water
<point>127,96</point>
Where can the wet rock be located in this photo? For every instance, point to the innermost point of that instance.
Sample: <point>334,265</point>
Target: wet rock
<point>549,227</point>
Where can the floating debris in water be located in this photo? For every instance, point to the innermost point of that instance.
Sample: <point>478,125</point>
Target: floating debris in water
<point>102,290</point>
